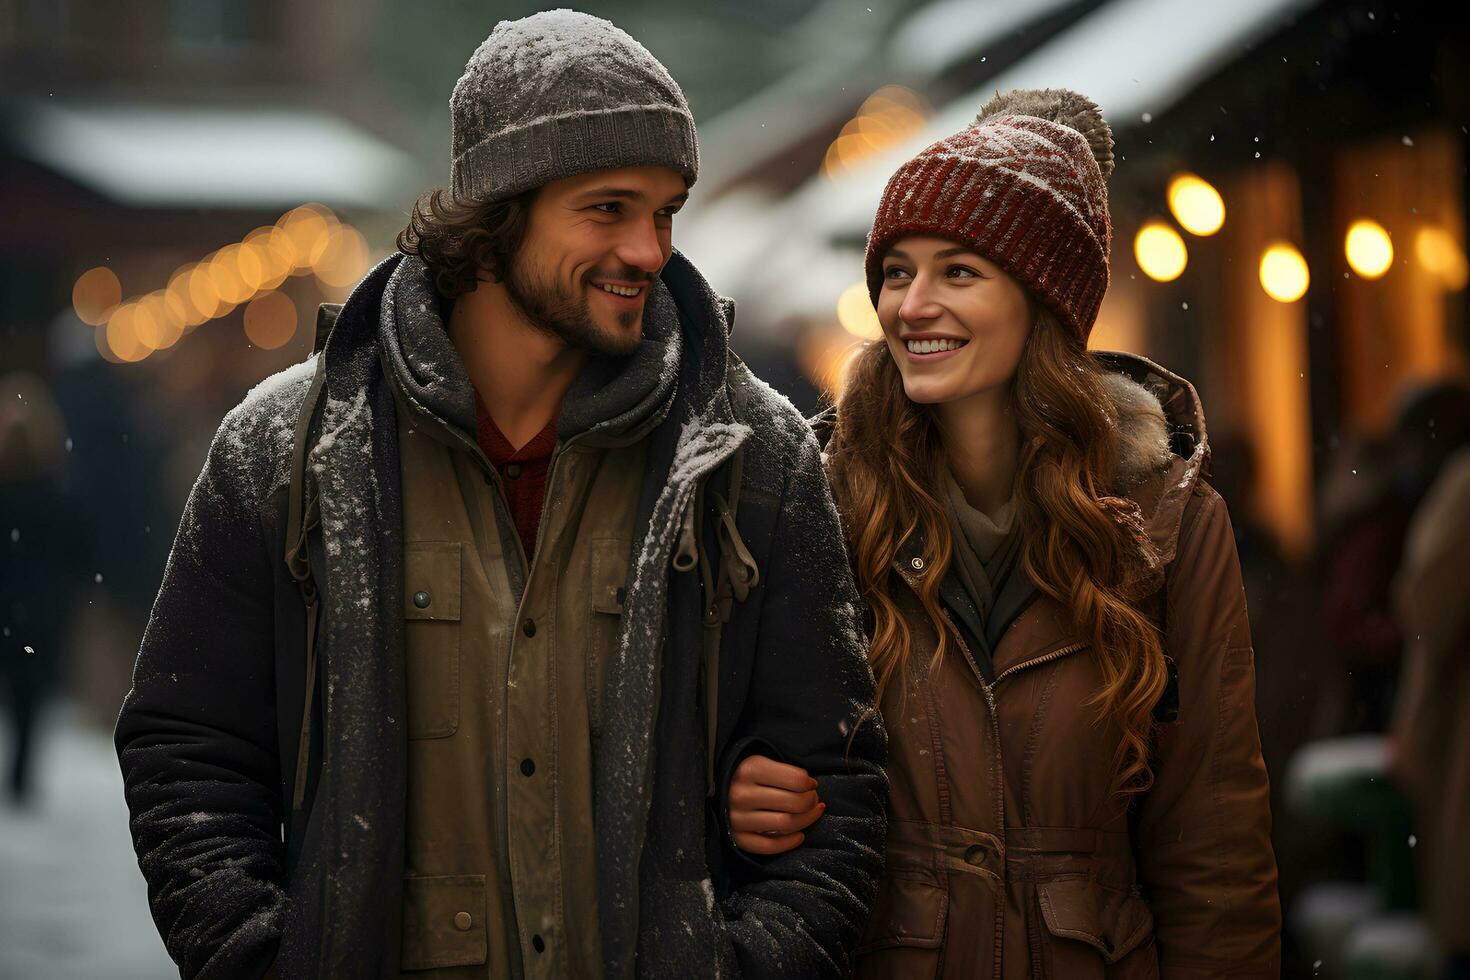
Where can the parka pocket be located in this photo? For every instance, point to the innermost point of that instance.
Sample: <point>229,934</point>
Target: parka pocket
<point>443,922</point>
<point>607,585</point>
<point>431,600</point>
<point>913,894</point>
<point>1093,930</point>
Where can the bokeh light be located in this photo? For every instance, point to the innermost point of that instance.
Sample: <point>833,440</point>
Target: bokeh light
<point>1284,274</point>
<point>1196,205</point>
<point>886,118</point>
<point>122,335</point>
<point>94,294</point>
<point>270,320</point>
<point>224,272</point>
<point>1369,249</point>
<point>344,259</point>
<point>307,229</point>
<point>1160,252</point>
<point>1439,253</point>
<point>856,314</point>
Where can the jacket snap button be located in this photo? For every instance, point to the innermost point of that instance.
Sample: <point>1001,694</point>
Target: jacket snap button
<point>529,627</point>
<point>918,564</point>
<point>462,921</point>
<point>975,854</point>
<point>527,767</point>
<point>539,944</point>
<point>421,599</point>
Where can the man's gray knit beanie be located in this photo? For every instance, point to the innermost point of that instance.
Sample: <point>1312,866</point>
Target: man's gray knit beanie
<point>562,93</point>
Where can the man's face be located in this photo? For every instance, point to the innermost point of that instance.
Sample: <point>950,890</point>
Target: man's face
<point>594,245</point>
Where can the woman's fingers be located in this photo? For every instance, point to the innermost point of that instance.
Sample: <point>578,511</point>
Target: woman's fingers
<point>769,772</point>
<point>752,796</point>
<point>773,822</point>
<point>762,844</point>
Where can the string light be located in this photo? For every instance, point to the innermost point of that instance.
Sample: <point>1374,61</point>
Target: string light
<point>1160,252</point>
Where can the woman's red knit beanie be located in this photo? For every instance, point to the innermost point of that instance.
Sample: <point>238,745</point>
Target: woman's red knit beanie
<point>1025,185</point>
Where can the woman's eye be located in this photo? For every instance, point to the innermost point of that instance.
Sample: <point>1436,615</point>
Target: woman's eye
<point>895,273</point>
<point>962,272</point>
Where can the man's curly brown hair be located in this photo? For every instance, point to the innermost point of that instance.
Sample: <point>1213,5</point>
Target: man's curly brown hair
<point>464,242</point>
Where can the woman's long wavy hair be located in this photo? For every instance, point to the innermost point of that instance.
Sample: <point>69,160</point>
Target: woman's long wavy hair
<point>1082,545</point>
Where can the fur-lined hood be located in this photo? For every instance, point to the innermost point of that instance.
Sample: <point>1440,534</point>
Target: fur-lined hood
<point>1163,447</point>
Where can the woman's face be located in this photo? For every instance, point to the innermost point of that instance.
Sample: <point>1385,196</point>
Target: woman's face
<point>954,322</point>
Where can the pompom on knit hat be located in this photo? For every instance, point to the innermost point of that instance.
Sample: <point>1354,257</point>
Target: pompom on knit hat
<point>562,93</point>
<point>1025,185</point>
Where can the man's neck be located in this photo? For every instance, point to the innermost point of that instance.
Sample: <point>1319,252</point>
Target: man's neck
<point>521,373</point>
<point>983,444</point>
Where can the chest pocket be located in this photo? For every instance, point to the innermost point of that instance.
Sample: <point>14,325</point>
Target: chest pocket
<point>607,579</point>
<point>431,599</point>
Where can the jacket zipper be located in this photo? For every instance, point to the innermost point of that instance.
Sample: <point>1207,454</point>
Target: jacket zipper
<point>1044,659</point>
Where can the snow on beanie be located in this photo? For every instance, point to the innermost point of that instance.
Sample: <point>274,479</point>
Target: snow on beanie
<point>562,93</point>
<point>1025,185</point>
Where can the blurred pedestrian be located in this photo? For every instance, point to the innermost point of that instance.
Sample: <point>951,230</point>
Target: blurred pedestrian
<point>38,562</point>
<point>1431,748</point>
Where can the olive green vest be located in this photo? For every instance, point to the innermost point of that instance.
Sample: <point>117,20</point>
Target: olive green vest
<point>504,704</point>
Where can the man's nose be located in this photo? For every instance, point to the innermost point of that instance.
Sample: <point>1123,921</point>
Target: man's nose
<point>642,247</point>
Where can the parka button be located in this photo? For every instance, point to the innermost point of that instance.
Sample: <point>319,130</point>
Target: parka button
<point>918,564</point>
<point>421,599</point>
<point>529,627</point>
<point>462,921</point>
<point>538,944</point>
<point>976,854</point>
<point>528,768</point>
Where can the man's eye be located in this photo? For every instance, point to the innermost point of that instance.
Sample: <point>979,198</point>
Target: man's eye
<point>611,207</point>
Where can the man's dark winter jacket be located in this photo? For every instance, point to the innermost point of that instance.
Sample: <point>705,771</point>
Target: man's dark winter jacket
<point>207,737</point>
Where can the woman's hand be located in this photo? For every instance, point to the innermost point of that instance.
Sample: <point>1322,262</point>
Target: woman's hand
<point>770,805</point>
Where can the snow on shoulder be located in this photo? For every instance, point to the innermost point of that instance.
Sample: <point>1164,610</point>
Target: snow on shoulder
<point>255,436</point>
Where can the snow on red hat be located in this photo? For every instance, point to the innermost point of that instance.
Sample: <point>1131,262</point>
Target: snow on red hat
<point>1025,185</point>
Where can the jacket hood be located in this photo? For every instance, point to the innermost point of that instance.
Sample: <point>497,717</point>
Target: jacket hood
<point>1163,444</point>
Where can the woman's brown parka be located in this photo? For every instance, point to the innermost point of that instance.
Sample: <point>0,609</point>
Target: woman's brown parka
<point>1008,856</point>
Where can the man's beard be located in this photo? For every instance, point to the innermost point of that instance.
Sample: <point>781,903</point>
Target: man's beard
<point>550,309</point>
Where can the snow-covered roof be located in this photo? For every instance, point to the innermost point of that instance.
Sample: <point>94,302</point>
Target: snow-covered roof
<point>946,32</point>
<point>1130,56</point>
<point>212,156</point>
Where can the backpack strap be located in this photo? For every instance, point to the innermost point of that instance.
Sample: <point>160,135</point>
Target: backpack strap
<point>302,516</point>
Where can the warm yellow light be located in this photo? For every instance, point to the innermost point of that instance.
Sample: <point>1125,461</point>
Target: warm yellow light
<point>308,229</point>
<point>122,336</point>
<point>277,256</point>
<point>886,117</point>
<point>1442,256</point>
<point>1160,252</point>
<point>157,323</point>
<point>1369,249</point>
<point>344,259</point>
<point>856,314</point>
<point>224,273</point>
<point>270,320</point>
<point>203,295</point>
<point>1197,206</point>
<point>1284,274</point>
<point>94,295</point>
<point>824,356</point>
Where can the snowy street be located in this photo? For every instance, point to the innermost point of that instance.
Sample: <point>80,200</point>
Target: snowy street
<point>72,903</point>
